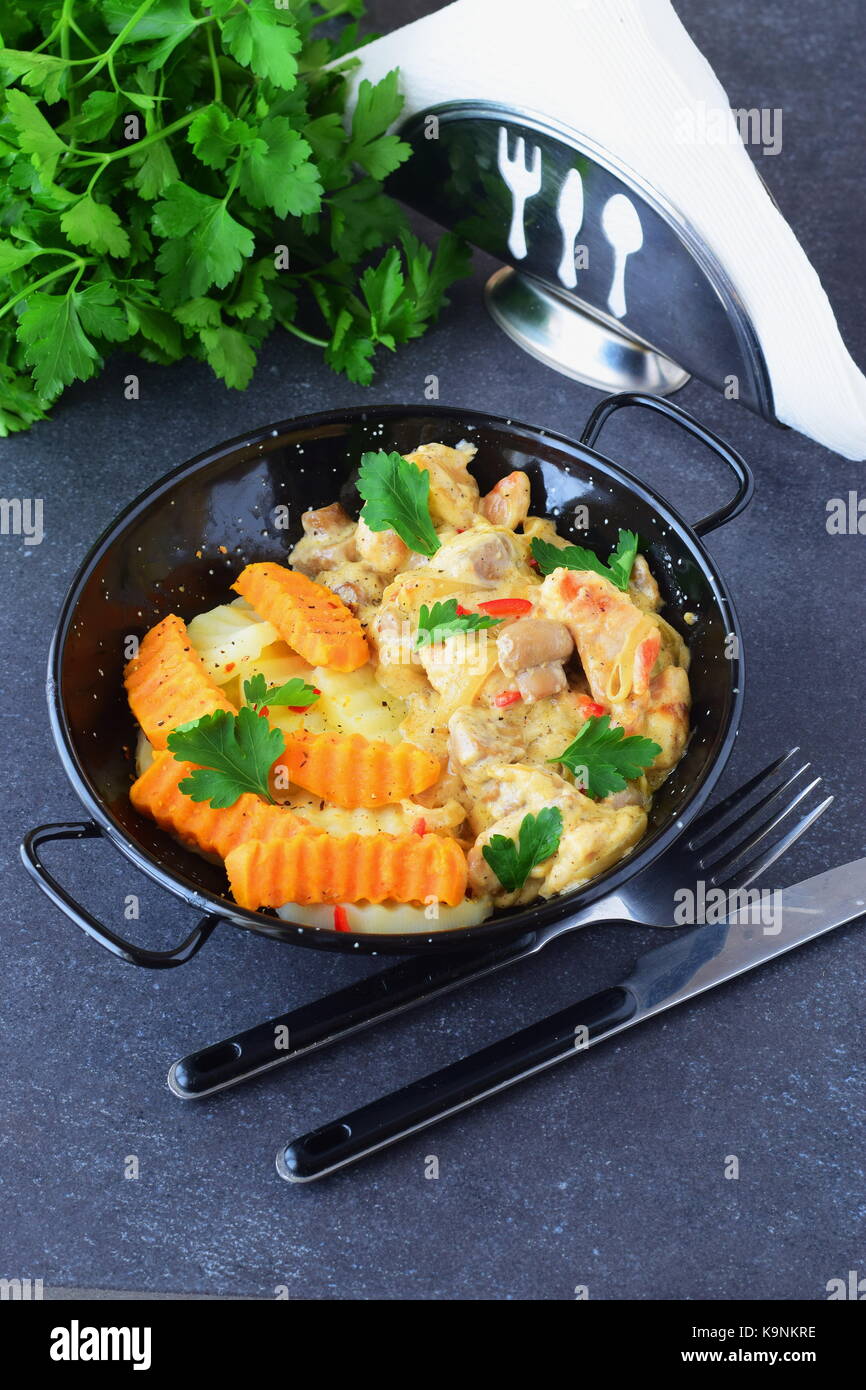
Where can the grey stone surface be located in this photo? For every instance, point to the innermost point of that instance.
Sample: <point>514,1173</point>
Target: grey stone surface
<point>608,1172</point>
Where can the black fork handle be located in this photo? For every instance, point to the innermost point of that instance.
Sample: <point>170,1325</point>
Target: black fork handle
<point>329,1020</point>
<point>118,946</point>
<point>738,466</point>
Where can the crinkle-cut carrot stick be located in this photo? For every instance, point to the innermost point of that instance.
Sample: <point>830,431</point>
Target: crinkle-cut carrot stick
<point>349,770</point>
<point>308,868</point>
<point>167,684</point>
<point>156,794</point>
<point>312,619</point>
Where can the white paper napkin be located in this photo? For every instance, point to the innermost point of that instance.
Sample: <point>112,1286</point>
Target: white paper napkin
<point>626,74</point>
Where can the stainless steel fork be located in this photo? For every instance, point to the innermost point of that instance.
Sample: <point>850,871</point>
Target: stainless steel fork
<point>524,181</point>
<point>729,847</point>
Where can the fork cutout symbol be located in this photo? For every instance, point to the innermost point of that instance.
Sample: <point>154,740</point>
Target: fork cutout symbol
<point>524,181</point>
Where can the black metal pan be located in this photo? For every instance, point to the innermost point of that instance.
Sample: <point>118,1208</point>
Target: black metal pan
<point>178,547</point>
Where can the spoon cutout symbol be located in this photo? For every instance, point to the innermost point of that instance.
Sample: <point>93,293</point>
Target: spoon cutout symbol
<point>621,226</point>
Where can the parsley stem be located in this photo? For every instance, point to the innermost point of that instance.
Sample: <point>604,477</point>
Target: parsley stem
<point>345,8</point>
<point>49,37</point>
<point>97,173</point>
<point>109,156</point>
<point>79,261</point>
<point>65,22</point>
<point>56,251</point>
<point>105,59</point>
<point>233,183</point>
<point>214,66</point>
<point>113,75</point>
<point>306,337</point>
<point>76,29</point>
<point>120,39</point>
<point>156,135</point>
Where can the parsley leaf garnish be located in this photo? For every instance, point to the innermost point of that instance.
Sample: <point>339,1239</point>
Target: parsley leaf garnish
<point>603,759</point>
<point>396,497</point>
<point>295,693</point>
<point>538,839</point>
<point>622,559</point>
<point>577,557</point>
<point>234,753</point>
<point>440,622</point>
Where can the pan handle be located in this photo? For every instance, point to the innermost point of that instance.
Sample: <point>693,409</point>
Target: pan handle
<point>136,955</point>
<point>738,466</point>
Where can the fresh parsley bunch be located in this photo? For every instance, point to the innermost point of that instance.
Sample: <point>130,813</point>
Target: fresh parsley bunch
<point>177,176</point>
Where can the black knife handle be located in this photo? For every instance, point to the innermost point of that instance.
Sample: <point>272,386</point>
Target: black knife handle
<point>325,1021</point>
<point>455,1087</point>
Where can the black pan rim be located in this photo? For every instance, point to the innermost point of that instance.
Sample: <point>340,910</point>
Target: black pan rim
<point>539,914</point>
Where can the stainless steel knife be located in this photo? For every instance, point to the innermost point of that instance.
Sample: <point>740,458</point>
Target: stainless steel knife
<point>758,930</point>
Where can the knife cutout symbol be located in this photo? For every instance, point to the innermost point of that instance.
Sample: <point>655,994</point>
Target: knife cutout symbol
<point>569,215</point>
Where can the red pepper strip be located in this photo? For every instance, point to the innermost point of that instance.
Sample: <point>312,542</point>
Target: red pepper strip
<point>495,606</point>
<point>590,708</point>
<point>463,612</point>
<point>507,697</point>
<point>420,826</point>
<point>341,919</point>
<point>264,712</point>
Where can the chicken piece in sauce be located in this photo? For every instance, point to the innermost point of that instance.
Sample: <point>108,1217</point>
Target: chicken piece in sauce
<point>594,836</point>
<point>328,541</point>
<point>618,644</point>
<point>383,551</point>
<point>482,557</point>
<point>507,504</point>
<point>453,490</point>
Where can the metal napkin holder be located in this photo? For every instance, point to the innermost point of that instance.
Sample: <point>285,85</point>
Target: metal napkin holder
<point>614,287</point>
